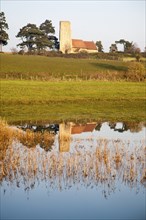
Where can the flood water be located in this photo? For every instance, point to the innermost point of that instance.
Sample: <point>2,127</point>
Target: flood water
<point>83,171</point>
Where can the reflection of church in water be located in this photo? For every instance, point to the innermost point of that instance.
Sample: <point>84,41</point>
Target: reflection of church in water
<point>66,130</point>
<point>69,129</point>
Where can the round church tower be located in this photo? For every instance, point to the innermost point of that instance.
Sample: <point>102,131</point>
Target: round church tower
<point>65,37</point>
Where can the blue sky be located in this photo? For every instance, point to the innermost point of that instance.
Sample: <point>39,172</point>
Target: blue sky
<point>103,20</point>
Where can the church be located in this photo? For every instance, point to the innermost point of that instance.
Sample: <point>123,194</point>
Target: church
<point>69,45</point>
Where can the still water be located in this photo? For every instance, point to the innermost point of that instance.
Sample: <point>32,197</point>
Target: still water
<point>89,171</point>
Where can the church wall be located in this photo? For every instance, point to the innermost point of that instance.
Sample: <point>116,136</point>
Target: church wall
<point>65,37</point>
<point>77,50</point>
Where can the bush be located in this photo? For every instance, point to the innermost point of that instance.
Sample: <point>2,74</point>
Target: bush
<point>136,71</point>
<point>21,52</point>
<point>14,51</point>
<point>138,57</point>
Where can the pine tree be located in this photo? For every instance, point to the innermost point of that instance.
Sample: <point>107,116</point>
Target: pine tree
<point>29,35</point>
<point>4,37</point>
<point>38,39</point>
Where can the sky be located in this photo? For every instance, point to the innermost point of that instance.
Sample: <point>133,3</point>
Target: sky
<point>93,20</point>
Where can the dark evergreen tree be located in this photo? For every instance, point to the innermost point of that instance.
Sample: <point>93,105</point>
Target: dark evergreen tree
<point>4,37</point>
<point>49,32</point>
<point>55,42</point>
<point>35,38</point>
<point>47,28</point>
<point>127,46</point>
<point>29,35</point>
<point>99,46</point>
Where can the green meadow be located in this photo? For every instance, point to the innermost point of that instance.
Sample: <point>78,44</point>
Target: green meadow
<point>50,68</point>
<point>41,88</point>
<point>27,100</point>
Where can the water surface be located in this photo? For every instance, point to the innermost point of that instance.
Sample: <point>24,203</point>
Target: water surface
<point>91,171</point>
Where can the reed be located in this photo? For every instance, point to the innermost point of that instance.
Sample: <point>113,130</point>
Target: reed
<point>104,165</point>
<point>6,135</point>
<point>32,139</point>
<point>111,160</point>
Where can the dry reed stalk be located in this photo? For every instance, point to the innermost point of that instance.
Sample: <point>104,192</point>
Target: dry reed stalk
<point>6,135</point>
<point>143,179</point>
<point>98,166</point>
<point>105,155</point>
<point>118,156</point>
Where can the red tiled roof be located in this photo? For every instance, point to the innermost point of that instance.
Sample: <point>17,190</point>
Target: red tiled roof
<point>77,129</point>
<point>89,127</point>
<point>78,43</point>
<point>89,45</point>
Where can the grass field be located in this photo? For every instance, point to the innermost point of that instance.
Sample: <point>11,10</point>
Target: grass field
<point>23,100</point>
<point>46,68</point>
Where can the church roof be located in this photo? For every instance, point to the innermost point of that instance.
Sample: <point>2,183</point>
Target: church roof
<point>89,45</point>
<point>78,43</point>
<point>77,129</point>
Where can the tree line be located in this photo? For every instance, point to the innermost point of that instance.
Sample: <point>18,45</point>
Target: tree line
<point>32,37</point>
<point>43,38</point>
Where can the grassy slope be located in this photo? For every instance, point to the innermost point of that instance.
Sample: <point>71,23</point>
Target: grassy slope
<point>52,101</point>
<point>39,67</point>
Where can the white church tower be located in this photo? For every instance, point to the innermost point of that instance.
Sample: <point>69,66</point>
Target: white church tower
<point>65,37</point>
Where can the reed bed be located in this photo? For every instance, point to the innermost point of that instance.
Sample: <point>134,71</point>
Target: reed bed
<point>32,139</point>
<point>25,160</point>
<point>6,138</point>
<point>28,138</point>
<point>109,162</point>
<point>6,135</point>
<point>10,135</point>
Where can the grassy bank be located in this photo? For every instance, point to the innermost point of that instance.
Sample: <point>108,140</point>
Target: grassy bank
<point>70,100</point>
<point>46,68</point>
